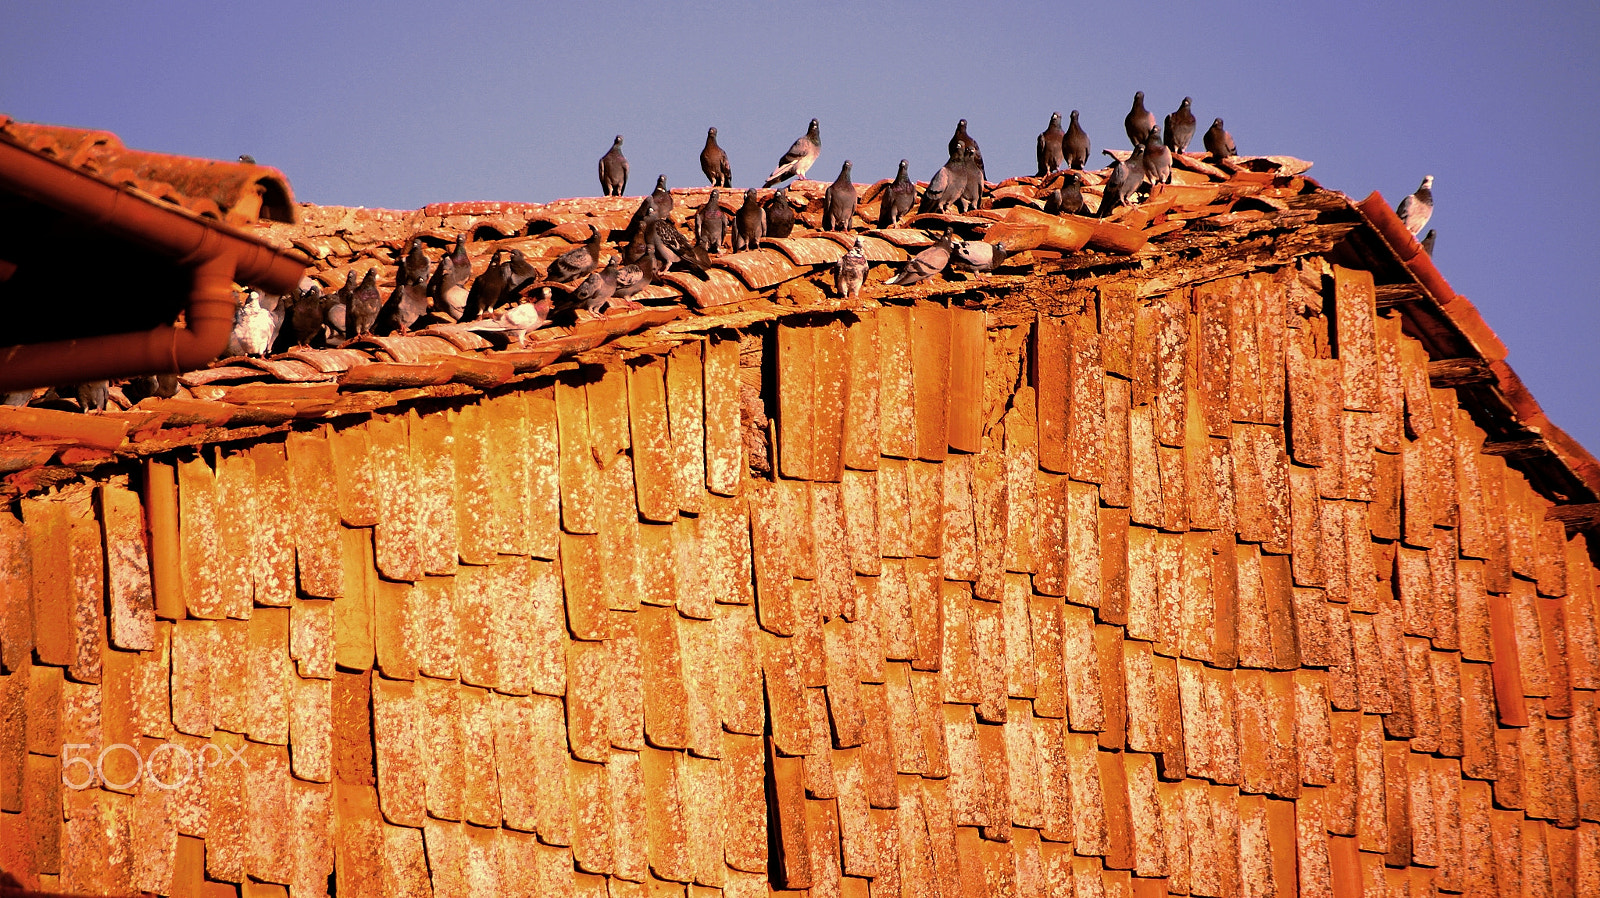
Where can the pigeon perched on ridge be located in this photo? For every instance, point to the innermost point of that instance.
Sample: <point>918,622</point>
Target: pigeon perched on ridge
<point>1139,120</point>
<point>1157,160</point>
<point>714,162</point>
<point>1427,242</point>
<point>661,197</point>
<point>711,223</point>
<point>925,264</point>
<point>980,256</point>
<point>1075,144</point>
<point>614,170</point>
<point>365,301</point>
<point>962,139</point>
<point>575,263</point>
<point>780,215</point>
<point>414,265</point>
<point>1178,127</point>
<point>898,198</point>
<point>489,289</point>
<point>749,223</point>
<point>407,303</point>
<point>802,154</point>
<point>462,261</point>
<point>839,206</point>
<point>1417,208</point>
<point>1219,143</point>
<point>850,272</point>
<point>1048,147</point>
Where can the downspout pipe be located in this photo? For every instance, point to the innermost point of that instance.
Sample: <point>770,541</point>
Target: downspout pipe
<point>217,257</point>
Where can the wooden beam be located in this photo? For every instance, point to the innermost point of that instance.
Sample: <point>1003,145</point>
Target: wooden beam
<point>1444,373</point>
<point>1578,516</point>
<point>1390,295</point>
<point>1517,450</point>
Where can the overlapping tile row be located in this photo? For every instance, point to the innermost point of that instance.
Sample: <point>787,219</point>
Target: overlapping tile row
<point>1187,595</point>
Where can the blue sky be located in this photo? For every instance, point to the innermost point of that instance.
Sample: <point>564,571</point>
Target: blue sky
<point>399,104</point>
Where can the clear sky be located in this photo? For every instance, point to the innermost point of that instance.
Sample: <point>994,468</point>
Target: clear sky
<point>401,103</point>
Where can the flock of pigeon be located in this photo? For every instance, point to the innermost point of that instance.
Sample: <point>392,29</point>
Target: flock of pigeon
<point>513,296</point>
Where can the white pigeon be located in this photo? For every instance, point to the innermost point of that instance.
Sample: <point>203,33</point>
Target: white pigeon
<point>1416,209</point>
<point>253,328</point>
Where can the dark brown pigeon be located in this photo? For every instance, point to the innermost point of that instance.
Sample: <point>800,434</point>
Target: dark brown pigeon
<point>898,198</point>
<point>614,170</point>
<point>780,215</point>
<point>1139,120</point>
<point>714,162</point>
<point>750,223</point>
<point>662,197</point>
<point>1178,128</point>
<point>1157,160</point>
<point>1219,143</point>
<point>711,223</point>
<point>839,207</point>
<point>1048,148</point>
<point>365,301</point>
<point>1066,199</point>
<point>1075,145</point>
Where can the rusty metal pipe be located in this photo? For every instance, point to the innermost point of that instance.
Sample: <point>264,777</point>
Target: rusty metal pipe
<point>216,255</point>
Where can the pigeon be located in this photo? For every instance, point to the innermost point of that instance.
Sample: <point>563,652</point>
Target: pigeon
<point>898,198</point>
<point>575,263</point>
<point>247,159</point>
<point>979,256</point>
<point>749,224</point>
<point>714,162</point>
<point>1427,242</point>
<point>253,328</point>
<point>1126,179</point>
<point>522,271</point>
<point>447,290</point>
<point>1048,148</point>
<point>596,290</point>
<point>780,215</point>
<point>633,278</point>
<point>365,301</point>
<point>711,223</point>
<point>407,303</point>
<point>839,207</point>
<point>1067,199</point>
<point>1157,160</point>
<point>614,170</point>
<point>1075,145</point>
<point>306,315</point>
<point>1416,209</point>
<point>799,159</point>
<point>462,261</point>
<point>92,395</point>
<point>489,289</point>
<point>661,198</point>
<point>517,319</point>
<point>414,265</point>
<point>925,264</point>
<point>671,246</point>
<point>1139,120</point>
<point>1219,143</point>
<point>335,310</point>
<point>962,139</point>
<point>1178,128</point>
<point>959,184</point>
<point>850,272</point>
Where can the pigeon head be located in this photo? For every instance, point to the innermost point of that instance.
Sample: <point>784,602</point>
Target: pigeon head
<point>860,245</point>
<point>1055,118</point>
<point>1216,123</point>
<point>661,182</point>
<point>1138,96</point>
<point>1427,183</point>
<point>711,132</point>
<point>617,142</point>
<point>845,171</point>
<point>813,131</point>
<point>1074,115</point>
<point>714,197</point>
<point>903,166</point>
<point>1184,104</point>
<point>750,195</point>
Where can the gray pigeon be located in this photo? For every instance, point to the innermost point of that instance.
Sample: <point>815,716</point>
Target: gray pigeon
<point>1075,145</point>
<point>839,207</point>
<point>414,266</point>
<point>596,290</point>
<point>575,263</point>
<point>1416,209</point>
<point>898,198</point>
<point>447,290</point>
<point>614,170</point>
<point>711,223</point>
<point>522,271</point>
<point>925,264</point>
<point>850,272</point>
<point>1178,128</point>
<point>253,330</point>
<point>1157,160</point>
<point>780,215</point>
<point>980,256</point>
<point>802,154</point>
<point>1126,179</point>
<point>671,247</point>
<point>92,395</point>
<point>958,184</point>
<point>1066,199</point>
<point>365,301</point>
<point>407,303</point>
<point>714,162</point>
<point>1427,242</point>
<point>1139,120</point>
<point>661,197</point>
<point>749,223</point>
<point>633,278</point>
<point>1219,143</point>
<point>962,139</point>
<point>1048,147</point>
<point>462,261</point>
